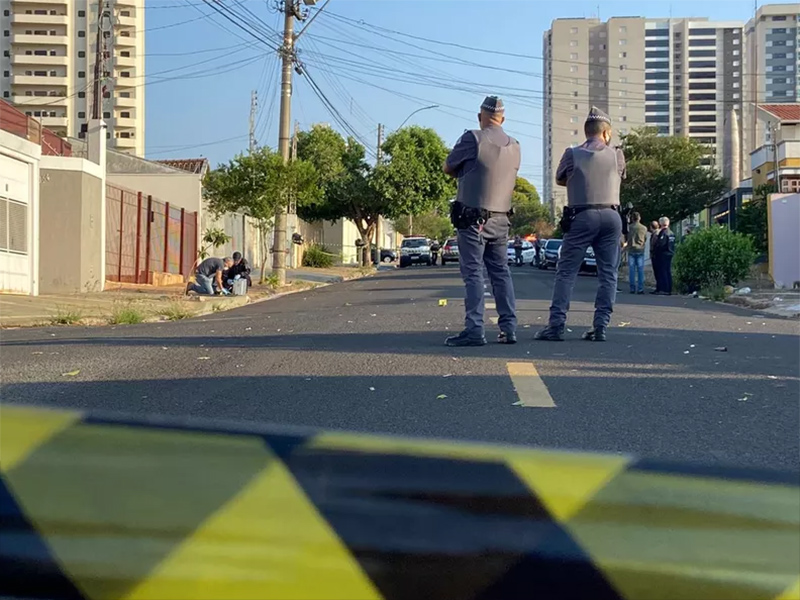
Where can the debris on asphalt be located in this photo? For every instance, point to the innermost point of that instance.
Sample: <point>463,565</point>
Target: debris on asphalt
<point>518,403</point>
<point>373,315</point>
<point>742,291</point>
<point>248,328</point>
<point>771,377</point>
<point>624,324</point>
<point>454,357</point>
<point>743,399</point>
<point>569,330</point>
<point>526,326</point>
<point>163,347</point>
<point>721,349</point>
<point>71,373</point>
<point>691,345</point>
<point>686,352</point>
<point>372,389</point>
<point>448,375</point>
<point>749,322</point>
<point>441,396</point>
<point>203,357</point>
<point>442,302</point>
<point>37,352</point>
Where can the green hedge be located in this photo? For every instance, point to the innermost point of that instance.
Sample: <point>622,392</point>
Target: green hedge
<point>711,258</point>
<point>318,257</point>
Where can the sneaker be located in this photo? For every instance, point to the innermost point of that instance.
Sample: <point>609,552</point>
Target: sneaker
<point>640,292</point>
<point>462,339</point>
<point>598,334</point>
<point>550,334</point>
<point>507,337</point>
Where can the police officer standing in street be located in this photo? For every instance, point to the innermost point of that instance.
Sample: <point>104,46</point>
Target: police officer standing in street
<point>486,162</point>
<point>592,173</point>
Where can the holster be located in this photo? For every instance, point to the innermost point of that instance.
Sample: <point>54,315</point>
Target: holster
<point>567,217</point>
<point>464,217</point>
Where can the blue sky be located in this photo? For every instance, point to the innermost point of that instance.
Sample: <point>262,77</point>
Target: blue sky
<point>199,76</point>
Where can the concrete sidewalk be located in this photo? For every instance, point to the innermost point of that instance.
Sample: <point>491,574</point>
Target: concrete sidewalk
<point>127,303</point>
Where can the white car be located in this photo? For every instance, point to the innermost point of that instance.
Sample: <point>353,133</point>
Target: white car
<point>528,252</point>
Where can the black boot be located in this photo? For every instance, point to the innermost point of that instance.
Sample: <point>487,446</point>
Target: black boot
<point>507,337</point>
<point>598,334</point>
<point>550,334</point>
<point>462,339</point>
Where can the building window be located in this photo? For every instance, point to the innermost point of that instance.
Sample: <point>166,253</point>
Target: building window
<point>125,13</point>
<point>81,115</point>
<point>6,13</point>
<point>603,47</point>
<point>53,32</point>
<point>602,59</point>
<point>53,74</point>
<point>573,30</point>
<point>124,74</point>
<point>602,34</point>
<point>81,34</point>
<point>735,84</point>
<point>125,115</point>
<point>6,74</point>
<point>779,18</point>
<point>623,94</point>
<point>623,55</point>
<point>81,13</point>
<point>81,74</point>
<point>573,119</point>
<point>623,80</point>
<point>735,64</point>
<point>736,52</point>
<point>703,42</point>
<point>106,115</point>
<point>81,94</point>
<point>575,107</point>
<point>6,94</point>
<point>13,226</point>
<point>81,54</point>
<point>574,132</point>
<point>574,94</point>
<point>573,69</point>
<point>125,53</point>
<point>735,41</point>
<point>623,29</point>
<point>573,56</point>
<point>6,53</point>
<point>624,118</point>
<point>573,43</point>
<point>623,67</point>
<point>6,33</point>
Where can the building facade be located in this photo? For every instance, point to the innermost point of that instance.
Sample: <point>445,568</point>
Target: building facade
<point>777,161</point>
<point>48,66</point>
<point>681,76</point>
<point>772,65</point>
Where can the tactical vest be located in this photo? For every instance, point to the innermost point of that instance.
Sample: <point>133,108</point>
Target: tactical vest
<point>595,177</point>
<point>489,183</point>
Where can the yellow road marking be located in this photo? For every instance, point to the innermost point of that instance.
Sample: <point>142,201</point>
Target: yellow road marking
<point>530,388</point>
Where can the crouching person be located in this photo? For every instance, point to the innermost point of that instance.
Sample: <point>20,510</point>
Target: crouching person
<point>207,274</point>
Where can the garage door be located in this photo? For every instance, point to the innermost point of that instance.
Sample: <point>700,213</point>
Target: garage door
<point>15,209</point>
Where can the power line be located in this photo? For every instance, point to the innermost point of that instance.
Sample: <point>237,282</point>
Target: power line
<point>174,149</point>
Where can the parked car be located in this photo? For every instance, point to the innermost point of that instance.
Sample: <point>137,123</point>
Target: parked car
<point>528,252</point>
<point>450,251</point>
<point>415,250</point>
<point>589,262</point>
<point>387,255</point>
<point>551,248</point>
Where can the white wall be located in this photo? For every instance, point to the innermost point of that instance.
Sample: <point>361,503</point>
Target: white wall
<point>19,181</point>
<point>784,249</point>
<point>181,190</point>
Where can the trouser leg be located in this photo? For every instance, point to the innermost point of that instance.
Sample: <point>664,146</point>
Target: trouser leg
<point>573,249</point>
<point>471,247</point>
<point>606,251</point>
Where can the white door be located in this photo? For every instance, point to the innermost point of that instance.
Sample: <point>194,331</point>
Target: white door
<point>15,221</point>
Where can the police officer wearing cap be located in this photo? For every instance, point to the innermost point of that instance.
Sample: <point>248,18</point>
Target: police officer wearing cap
<point>592,173</point>
<point>486,162</point>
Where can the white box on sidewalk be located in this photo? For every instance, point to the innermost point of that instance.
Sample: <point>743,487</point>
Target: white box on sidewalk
<point>240,287</point>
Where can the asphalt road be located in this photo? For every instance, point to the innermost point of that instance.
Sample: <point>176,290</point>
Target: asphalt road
<point>368,355</point>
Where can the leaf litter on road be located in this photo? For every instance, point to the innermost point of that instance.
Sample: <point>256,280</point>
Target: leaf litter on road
<point>441,396</point>
<point>71,373</point>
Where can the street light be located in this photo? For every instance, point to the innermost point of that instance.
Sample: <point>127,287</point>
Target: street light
<point>416,111</point>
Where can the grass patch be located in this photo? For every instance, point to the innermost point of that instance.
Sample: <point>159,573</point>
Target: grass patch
<point>66,316</point>
<point>715,289</point>
<point>125,315</point>
<point>176,311</point>
<point>271,281</point>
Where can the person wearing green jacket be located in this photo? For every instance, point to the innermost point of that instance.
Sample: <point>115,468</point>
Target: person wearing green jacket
<point>637,239</point>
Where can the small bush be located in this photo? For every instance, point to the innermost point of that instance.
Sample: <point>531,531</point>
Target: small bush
<point>66,316</point>
<point>176,311</point>
<point>271,281</point>
<point>712,258</point>
<point>318,257</point>
<point>125,315</point>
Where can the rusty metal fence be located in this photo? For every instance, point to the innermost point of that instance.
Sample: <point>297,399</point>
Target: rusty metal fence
<point>145,236</point>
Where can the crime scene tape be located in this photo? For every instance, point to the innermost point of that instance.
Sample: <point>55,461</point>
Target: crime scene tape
<point>96,507</point>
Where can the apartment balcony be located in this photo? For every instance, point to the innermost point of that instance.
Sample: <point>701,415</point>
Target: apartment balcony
<point>33,59</point>
<point>126,41</point>
<point>789,152</point>
<point>25,19</point>
<point>124,123</point>
<point>121,21</point>
<point>40,100</point>
<point>125,61</point>
<point>39,40</point>
<point>133,3</point>
<point>123,102</point>
<point>54,122</point>
<point>125,82</point>
<point>34,80</point>
<point>125,143</point>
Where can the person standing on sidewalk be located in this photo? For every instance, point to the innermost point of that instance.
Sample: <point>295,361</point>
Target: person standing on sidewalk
<point>486,162</point>
<point>637,239</point>
<point>592,173</point>
<point>653,258</point>
<point>664,251</point>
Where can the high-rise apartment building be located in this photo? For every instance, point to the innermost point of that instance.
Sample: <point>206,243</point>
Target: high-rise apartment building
<point>772,65</point>
<point>682,76</point>
<point>48,65</point>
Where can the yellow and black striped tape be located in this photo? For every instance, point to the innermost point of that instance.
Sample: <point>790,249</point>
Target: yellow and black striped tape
<point>97,508</point>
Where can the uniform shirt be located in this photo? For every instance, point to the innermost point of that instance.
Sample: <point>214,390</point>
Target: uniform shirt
<point>486,163</point>
<point>210,266</point>
<point>665,243</point>
<point>597,186</point>
<point>637,238</point>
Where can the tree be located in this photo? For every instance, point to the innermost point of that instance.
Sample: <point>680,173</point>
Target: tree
<point>412,182</point>
<point>344,178</point>
<point>258,185</point>
<point>751,219</point>
<point>530,216</point>
<point>212,238</point>
<point>432,224</point>
<point>665,176</point>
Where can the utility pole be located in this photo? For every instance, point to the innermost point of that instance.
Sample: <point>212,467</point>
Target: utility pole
<point>100,57</point>
<point>294,140</point>
<point>253,109</point>
<point>284,133</point>
<point>378,221</point>
<point>775,160</point>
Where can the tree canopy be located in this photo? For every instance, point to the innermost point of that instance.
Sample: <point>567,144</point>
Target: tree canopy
<point>412,181</point>
<point>530,216</point>
<point>665,176</point>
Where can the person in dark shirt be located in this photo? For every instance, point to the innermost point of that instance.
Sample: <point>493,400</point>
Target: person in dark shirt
<point>664,249</point>
<point>207,273</point>
<point>239,269</point>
